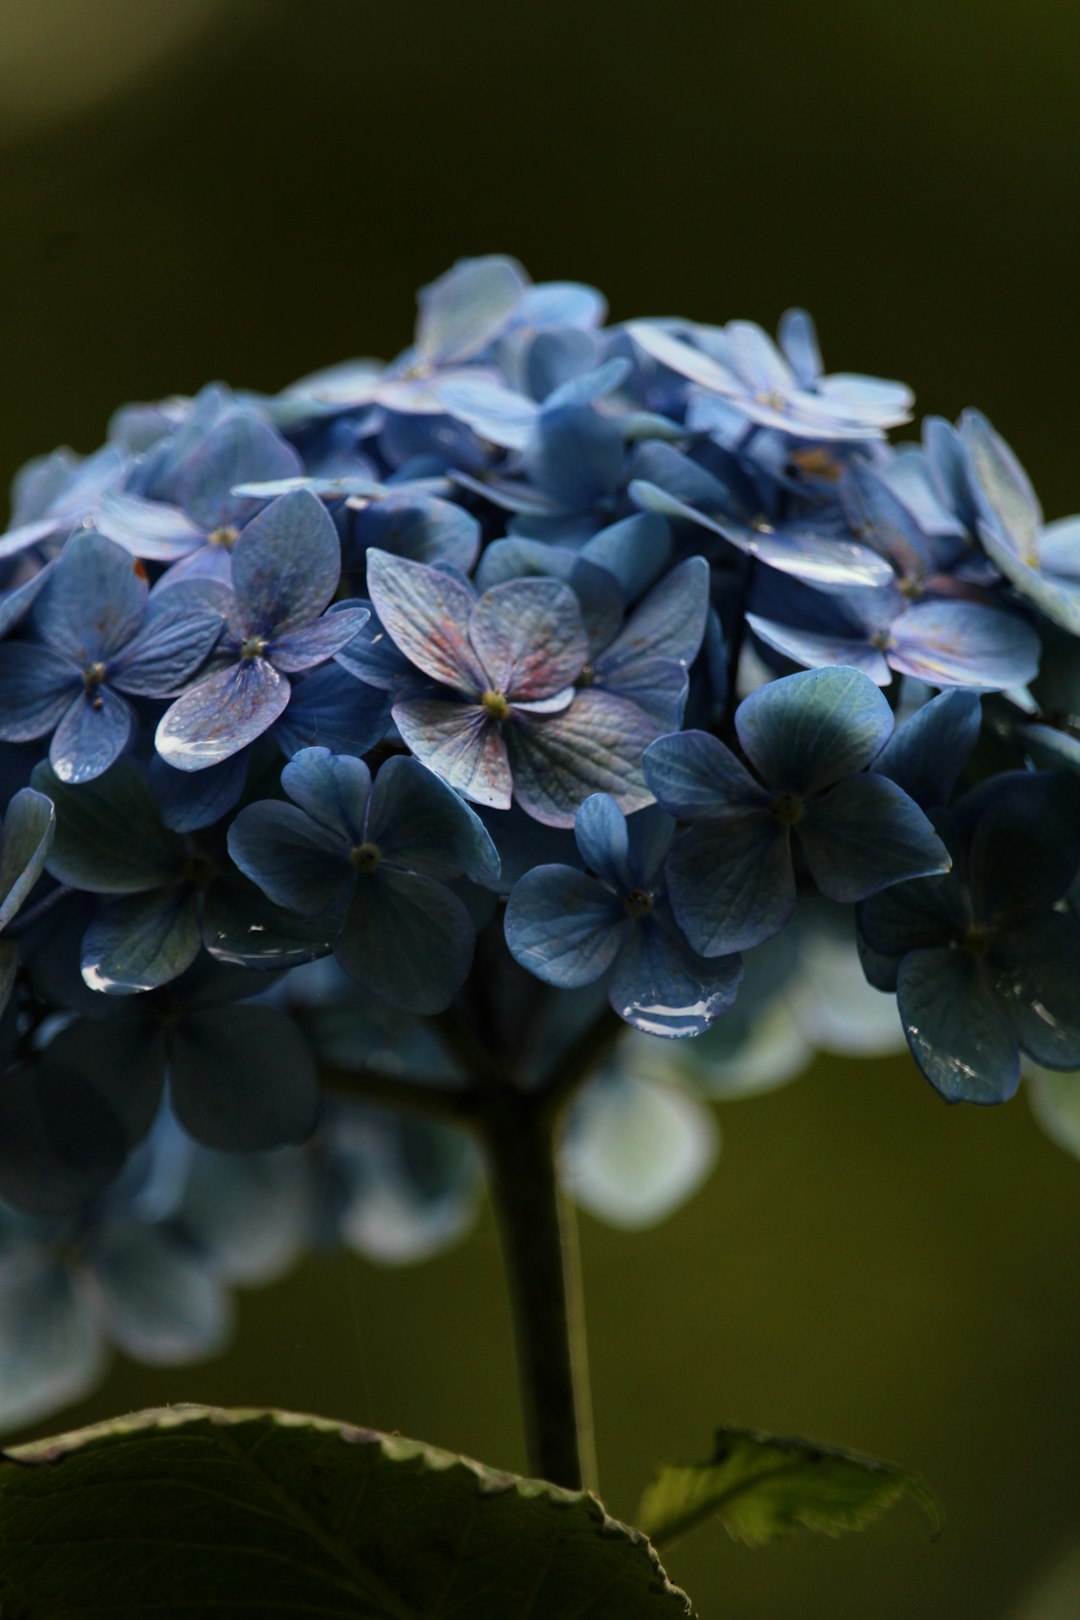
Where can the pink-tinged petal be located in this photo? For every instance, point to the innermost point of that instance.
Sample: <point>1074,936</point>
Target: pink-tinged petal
<point>426,613</point>
<point>529,637</point>
<point>222,714</point>
<point>461,743</point>
<point>594,746</point>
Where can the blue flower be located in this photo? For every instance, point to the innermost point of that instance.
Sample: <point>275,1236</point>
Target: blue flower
<point>982,959</point>
<point>286,567</point>
<point>569,927</point>
<point>809,737</point>
<point>382,851</point>
<point>101,636</point>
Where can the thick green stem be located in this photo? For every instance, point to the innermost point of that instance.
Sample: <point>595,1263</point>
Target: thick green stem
<point>540,1251</point>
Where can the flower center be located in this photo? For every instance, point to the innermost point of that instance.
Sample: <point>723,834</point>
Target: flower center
<point>365,857</point>
<point>977,939</point>
<point>253,647</point>
<point>772,397</point>
<point>496,705</point>
<point>787,808</point>
<point>200,870</point>
<point>638,903</point>
<point>224,537</point>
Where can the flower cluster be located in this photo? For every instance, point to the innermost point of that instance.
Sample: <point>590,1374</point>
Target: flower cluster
<point>553,665</point>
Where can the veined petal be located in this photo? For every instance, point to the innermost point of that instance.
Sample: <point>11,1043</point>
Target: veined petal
<point>730,881</point>
<point>286,565</point>
<point>864,835</point>
<point>466,308</point>
<point>806,731</point>
<point>564,926</point>
<point>955,1027</point>
<point>426,614</point>
<point>421,527</point>
<point>334,790</point>
<point>110,838</point>
<point>818,650</point>
<point>461,743</point>
<point>330,708</point>
<point>1039,989</point>
<point>295,862</point>
<point>28,831</point>
<point>669,623</point>
<point>240,448</point>
<point>150,529</point>
<point>36,688</point>
<point>315,643</point>
<point>92,735</point>
<point>927,754</point>
<point>94,600</point>
<point>964,644</point>
<point>662,987</point>
<point>603,840</point>
<point>418,822</point>
<point>407,939</point>
<point>696,777</point>
<point>221,714</point>
<point>529,638</point>
<point>141,941</point>
<point>166,652</point>
<point>594,746</point>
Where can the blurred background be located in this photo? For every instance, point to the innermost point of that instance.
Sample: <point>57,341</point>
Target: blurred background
<point>204,189</point>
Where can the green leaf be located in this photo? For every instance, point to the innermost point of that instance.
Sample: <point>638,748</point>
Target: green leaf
<point>761,1486</point>
<point>213,1513</point>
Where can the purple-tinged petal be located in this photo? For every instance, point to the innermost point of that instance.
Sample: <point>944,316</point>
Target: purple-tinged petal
<point>314,644</point>
<point>420,823</point>
<point>92,735</point>
<point>669,623</point>
<point>594,746</point>
<point>657,686</point>
<point>529,638</point>
<point>168,651</point>
<point>408,939</point>
<point>141,941</point>
<point>150,529</point>
<point>36,688</point>
<point>295,862</point>
<point>28,534</point>
<point>964,644</point>
<point>240,448</point>
<point>16,603</point>
<point>564,926</point>
<point>420,527</point>
<point>864,835</point>
<point>221,714</point>
<point>696,777</point>
<point>461,743</point>
<point>597,591</point>
<point>806,731</point>
<point>426,614</point>
<point>757,360</point>
<point>94,601</point>
<point>1058,598</point>
<point>730,880</point>
<point>662,987</point>
<point>819,650</point>
<point>955,1027</point>
<point>286,565</point>
<point>877,514</point>
<point>466,308</point>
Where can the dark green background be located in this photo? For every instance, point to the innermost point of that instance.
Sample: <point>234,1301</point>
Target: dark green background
<point>865,1266</point>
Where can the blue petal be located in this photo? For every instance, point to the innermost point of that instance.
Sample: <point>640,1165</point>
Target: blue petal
<point>150,529</point>
<point>243,929</point>
<point>964,644</point>
<point>1002,487</point>
<point>865,834</point>
<point>286,565</point>
<point>16,603</point>
<point>1025,849</point>
<point>141,941</point>
<point>36,688</point>
<point>696,777</point>
<point>560,303</point>
<point>242,1078</point>
<point>94,601</point>
<point>564,926</point>
<point>221,715</point>
<point>426,614</point>
<point>333,790</point>
<point>635,550</point>
<point>682,358</point>
<point>461,743</point>
<point>955,1027</point>
<point>927,754</point>
<point>421,527</point>
<point>662,987</point>
<point>914,916</point>
<point>799,345</point>
<point>806,731</point>
<point>731,882</point>
<point>110,837</point>
<point>160,1300</point>
<point>315,643</point>
<point>877,514</point>
<point>603,841</point>
<point>172,645</point>
<point>295,862</point>
<point>28,832</point>
<point>373,658</point>
<point>238,449</point>
<point>529,638</point>
<point>466,308</point>
<point>819,650</point>
<point>408,939</point>
<point>50,1343</point>
<point>191,800</point>
<point>497,413</point>
<point>669,623</point>
<point>92,735</point>
<point>420,823</point>
<point>594,746</point>
<point>658,687</point>
<point>60,1141</point>
<point>330,708</point>
<point>597,591</point>
<point>576,456</point>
